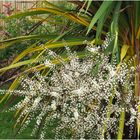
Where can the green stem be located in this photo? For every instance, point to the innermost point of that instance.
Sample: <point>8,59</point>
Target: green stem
<point>108,113</point>
<point>121,125</point>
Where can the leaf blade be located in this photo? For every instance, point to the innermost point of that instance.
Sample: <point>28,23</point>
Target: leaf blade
<point>98,14</point>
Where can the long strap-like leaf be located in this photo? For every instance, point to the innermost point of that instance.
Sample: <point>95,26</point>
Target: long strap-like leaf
<point>98,14</point>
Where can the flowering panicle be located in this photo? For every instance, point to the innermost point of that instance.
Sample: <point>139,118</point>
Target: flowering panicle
<point>79,94</point>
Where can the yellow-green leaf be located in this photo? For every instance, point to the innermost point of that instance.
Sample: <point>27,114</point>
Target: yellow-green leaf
<point>121,125</point>
<point>124,50</point>
<point>58,44</point>
<point>12,87</point>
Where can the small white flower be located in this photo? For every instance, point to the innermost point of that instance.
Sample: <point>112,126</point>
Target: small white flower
<point>77,74</point>
<point>68,78</point>
<point>133,112</point>
<point>76,114</point>
<point>112,73</point>
<point>48,63</point>
<point>132,68</point>
<point>54,94</point>
<point>53,105</point>
<point>95,49</point>
<point>79,91</point>
<point>118,94</point>
<point>36,101</point>
<point>38,122</point>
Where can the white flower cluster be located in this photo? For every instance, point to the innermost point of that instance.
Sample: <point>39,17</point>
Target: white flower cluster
<point>78,95</point>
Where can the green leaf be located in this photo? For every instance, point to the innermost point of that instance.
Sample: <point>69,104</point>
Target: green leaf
<point>101,21</point>
<point>72,42</point>
<point>137,15</point>
<point>26,62</point>
<point>51,5</point>
<point>88,5</point>
<point>28,37</point>
<point>47,10</point>
<point>99,13</point>
<point>115,30</point>
<point>9,42</point>
<point>114,26</point>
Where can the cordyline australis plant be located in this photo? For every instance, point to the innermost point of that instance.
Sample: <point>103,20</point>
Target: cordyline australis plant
<point>83,97</point>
